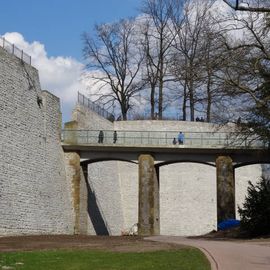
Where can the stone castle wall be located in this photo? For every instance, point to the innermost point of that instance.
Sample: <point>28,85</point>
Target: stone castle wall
<point>34,194</point>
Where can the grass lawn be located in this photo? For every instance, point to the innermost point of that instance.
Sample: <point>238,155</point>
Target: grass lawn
<point>183,259</point>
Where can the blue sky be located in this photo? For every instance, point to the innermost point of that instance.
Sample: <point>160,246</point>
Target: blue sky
<point>58,24</point>
<point>50,31</point>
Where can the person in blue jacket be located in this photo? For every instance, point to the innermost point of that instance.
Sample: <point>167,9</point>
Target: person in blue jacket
<point>181,138</point>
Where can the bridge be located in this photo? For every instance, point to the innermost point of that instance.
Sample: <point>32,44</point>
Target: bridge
<point>153,149</point>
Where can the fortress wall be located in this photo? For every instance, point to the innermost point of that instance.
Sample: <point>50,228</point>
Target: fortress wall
<point>34,196</point>
<point>156,125</point>
<point>88,119</point>
<point>187,199</point>
<point>102,204</point>
<point>106,209</point>
<point>128,174</point>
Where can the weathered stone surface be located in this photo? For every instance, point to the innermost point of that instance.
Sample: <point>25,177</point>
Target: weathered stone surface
<point>188,203</point>
<point>84,201</point>
<point>148,197</point>
<point>71,134</point>
<point>73,169</point>
<point>128,174</point>
<point>225,189</point>
<point>105,208</point>
<point>34,195</point>
<point>104,198</point>
<point>88,119</point>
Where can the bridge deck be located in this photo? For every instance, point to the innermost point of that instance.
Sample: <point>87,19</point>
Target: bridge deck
<point>160,139</point>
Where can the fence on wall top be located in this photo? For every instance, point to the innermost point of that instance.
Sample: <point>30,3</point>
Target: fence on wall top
<point>83,100</point>
<point>12,49</point>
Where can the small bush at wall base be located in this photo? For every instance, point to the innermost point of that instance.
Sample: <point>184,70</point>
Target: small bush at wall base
<point>255,213</point>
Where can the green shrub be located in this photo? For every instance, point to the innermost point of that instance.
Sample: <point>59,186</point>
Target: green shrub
<point>255,213</point>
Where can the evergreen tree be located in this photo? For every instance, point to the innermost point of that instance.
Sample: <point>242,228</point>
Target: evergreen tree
<point>255,213</point>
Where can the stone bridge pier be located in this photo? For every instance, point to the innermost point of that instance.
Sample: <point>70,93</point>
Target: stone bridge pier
<point>225,188</point>
<point>149,222</point>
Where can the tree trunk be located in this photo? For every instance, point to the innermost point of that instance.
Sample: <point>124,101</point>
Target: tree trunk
<point>152,102</point>
<point>160,92</point>
<point>184,107</point>
<point>209,100</point>
<point>191,100</point>
<point>124,108</point>
<point>124,115</point>
<point>160,100</point>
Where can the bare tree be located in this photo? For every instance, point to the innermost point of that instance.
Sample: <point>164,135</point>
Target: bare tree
<point>190,45</point>
<point>159,14</point>
<point>113,63</point>
<point>187,46</point>
<point>248,75</point>
<point>151,66</point>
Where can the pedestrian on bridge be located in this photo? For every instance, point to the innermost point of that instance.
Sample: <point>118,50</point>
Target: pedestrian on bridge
<point>181,138</point>
<point>114,136</point>
<point>100,137</point>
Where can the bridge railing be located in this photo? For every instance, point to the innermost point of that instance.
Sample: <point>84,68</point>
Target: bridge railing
<point>159,138</point>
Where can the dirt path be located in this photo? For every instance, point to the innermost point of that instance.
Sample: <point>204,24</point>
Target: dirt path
<point>118,244</point>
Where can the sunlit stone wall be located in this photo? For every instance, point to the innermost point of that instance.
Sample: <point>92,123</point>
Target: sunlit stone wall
<point>34,194</point>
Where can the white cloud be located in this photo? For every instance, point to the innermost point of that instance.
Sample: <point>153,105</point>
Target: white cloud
<point>59,75</point>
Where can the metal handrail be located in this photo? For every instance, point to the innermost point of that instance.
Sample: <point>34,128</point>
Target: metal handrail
<point>86,102</point>
<point>12,49</point>
<point>160,138</point>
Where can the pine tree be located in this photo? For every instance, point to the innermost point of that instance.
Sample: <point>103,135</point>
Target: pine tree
<point>255,213</point>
